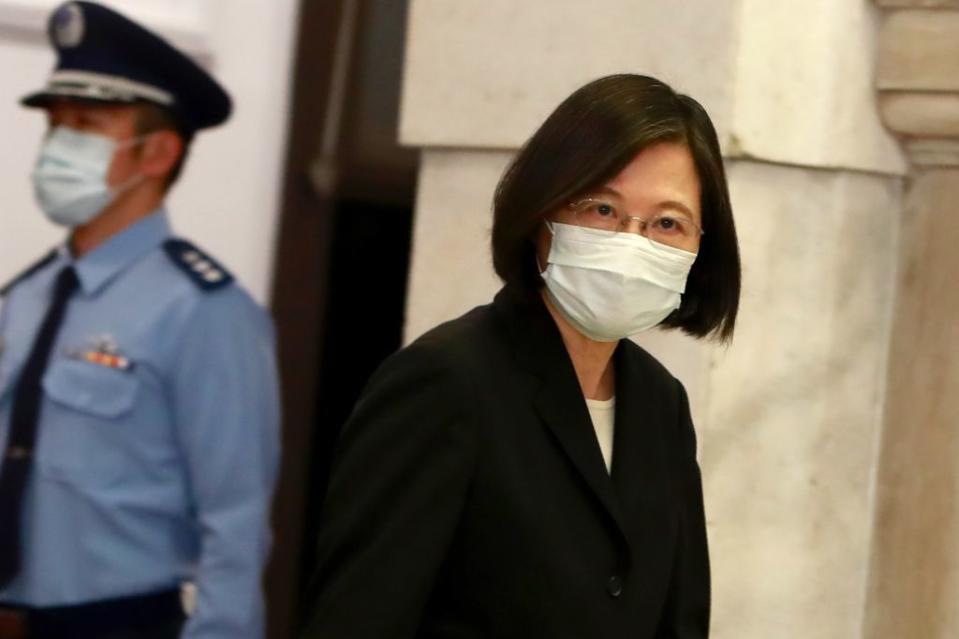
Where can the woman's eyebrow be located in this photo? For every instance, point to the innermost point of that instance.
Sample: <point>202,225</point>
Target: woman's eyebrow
<point>670,205</point>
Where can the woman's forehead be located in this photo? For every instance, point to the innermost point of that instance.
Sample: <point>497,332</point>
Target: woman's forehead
<point>661,173</point>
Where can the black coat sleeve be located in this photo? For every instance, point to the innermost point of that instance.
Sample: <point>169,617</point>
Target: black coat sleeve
<point>686,615</point>
<point>397,489</point>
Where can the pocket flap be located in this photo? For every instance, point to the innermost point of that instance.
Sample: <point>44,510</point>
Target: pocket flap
<point>90,388</point>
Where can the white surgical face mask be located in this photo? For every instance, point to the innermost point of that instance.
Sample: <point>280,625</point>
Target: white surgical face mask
<point>612,285</point>
<point>70,178</point>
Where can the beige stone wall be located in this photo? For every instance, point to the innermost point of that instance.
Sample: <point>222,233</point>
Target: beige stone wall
<point>451,269</point>
<point>789,425</point>
<point>789,416</point>
<point>784,86</point>
<point>485,73</point>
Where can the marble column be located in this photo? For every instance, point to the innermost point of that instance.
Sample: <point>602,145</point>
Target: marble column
<point>914,586</point>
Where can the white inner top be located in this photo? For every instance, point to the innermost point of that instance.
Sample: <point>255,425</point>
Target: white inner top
<point>603,412</point>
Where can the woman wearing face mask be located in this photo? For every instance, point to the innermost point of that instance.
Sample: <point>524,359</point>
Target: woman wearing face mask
<point>525,470</point>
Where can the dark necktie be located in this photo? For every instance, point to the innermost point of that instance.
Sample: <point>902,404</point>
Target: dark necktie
<point>24,418</point>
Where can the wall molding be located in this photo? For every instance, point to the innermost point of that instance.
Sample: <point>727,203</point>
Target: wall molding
<point>918,78</point>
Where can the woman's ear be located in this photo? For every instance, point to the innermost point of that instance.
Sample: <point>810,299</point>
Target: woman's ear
<point>161,152</point>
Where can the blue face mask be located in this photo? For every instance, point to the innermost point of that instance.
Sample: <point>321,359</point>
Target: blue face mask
<point>70,178</point>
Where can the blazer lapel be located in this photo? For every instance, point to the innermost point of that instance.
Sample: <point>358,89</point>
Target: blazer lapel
<point>639,451</point>
<point>557,396</point>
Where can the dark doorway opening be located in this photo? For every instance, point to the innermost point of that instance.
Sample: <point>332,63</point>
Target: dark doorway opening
<point>364,324</point>
<point>342,258</point>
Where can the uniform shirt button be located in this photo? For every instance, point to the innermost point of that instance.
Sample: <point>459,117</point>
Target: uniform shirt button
<point>615,586</point>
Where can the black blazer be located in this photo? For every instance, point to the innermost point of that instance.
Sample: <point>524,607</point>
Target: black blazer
<point>469,497</point>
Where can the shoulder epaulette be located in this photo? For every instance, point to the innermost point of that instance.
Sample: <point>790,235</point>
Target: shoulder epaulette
<point>30,270</point>
<point>203,270</point>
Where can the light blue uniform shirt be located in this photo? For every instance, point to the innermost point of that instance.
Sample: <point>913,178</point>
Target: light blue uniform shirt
<point>157,472</point>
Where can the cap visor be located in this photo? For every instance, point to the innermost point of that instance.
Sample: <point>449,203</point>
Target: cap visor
<point>37,99</point>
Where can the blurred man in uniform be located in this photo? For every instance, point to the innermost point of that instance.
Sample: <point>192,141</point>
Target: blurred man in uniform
<point>138,391</point>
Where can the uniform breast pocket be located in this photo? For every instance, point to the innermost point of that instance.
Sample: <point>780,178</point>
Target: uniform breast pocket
<point>83,425</point>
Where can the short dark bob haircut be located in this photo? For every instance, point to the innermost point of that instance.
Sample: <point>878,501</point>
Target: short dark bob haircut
<point>586,142</point>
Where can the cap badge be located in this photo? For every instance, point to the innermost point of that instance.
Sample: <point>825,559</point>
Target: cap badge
<point>68,26</point>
